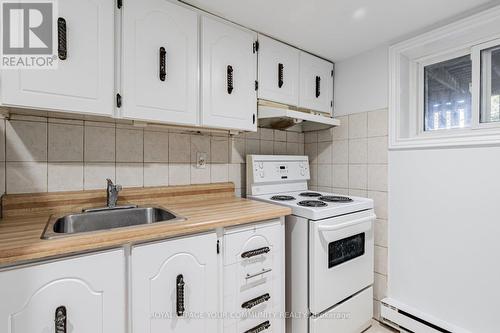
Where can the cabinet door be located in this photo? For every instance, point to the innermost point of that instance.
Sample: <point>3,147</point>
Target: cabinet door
<point>175,285</point>
<point>160,62</point>
<point>316,83</point>
<point>229,71</point>
<point>84,82</point>
<point>278,71</point>
<point>89,291</point>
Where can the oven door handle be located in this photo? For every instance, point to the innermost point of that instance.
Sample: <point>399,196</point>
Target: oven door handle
<point>347,224</point>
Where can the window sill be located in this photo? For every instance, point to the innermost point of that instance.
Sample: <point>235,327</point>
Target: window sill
<point>470,139</point>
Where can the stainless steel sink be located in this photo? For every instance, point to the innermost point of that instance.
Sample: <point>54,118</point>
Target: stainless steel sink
<point>107,219</point>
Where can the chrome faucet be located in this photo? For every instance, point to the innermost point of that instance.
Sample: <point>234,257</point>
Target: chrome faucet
<point>112,193</point>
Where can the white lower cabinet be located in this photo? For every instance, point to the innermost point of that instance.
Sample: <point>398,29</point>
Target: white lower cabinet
<point>180,285</point>
<point>78,295</point>
<point>254,278</point>
<point>175,285</point>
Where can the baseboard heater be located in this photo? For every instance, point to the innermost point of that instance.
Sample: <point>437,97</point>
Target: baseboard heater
<point>406,322</point>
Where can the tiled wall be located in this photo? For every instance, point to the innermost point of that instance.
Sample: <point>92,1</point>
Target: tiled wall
<point>50,154</point>
<point>40,154</point>
<point>352,159</point>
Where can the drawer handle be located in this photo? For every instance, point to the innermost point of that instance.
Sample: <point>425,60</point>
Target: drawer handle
<point>280,75</point>
<point>229,79</point>
<point>259,328</point>
<point>62,51</point>
<point>163,63</point>
<point>255,301</point>
<point>253,253</point>
<point>264,271</point>
<point>60,319</point>
<point>318,86</point>
<point>180,295</point>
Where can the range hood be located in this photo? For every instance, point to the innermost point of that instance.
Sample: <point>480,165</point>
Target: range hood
<point>281,116</point>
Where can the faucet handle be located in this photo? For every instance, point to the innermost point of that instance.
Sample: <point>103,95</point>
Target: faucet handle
<point>109,182</point>
<point>118,188</point>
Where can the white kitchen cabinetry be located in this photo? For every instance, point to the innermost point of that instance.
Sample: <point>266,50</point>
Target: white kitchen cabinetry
<point>84,80</point>
<point>159,62</point>
<point>86,294</point>
<point>254,278</point>
<point>316,83</point>
<point>175,285</point>
<point>229,72</point>
<point>278,71</point>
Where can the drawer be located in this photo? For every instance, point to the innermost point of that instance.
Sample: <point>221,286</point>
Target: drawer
<point>267,325</point>
<point>251,244</point>
<point>238,291</point>
<point>352,316</point>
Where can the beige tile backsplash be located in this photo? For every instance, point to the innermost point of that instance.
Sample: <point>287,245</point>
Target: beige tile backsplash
<point>358,153</point>
<point>48,154</point>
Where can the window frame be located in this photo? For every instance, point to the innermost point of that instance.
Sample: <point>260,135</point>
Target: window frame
<point>476,85</point>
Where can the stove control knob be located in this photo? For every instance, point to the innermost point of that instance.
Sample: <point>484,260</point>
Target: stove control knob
<point>261,174</point>
<point>302,172</point>
<point>261,165</point>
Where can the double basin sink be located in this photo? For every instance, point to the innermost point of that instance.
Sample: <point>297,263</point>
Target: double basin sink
<point>101,219</point>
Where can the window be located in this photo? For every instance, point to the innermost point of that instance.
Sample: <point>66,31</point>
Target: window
<point>444,86</point>
<point>490,85</point>
<point>447,95</point>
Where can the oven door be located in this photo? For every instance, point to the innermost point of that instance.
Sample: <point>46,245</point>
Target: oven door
<point>340,258</point>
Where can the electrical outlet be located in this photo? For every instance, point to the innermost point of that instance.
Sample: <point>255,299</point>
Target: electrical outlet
<point>201,160</point>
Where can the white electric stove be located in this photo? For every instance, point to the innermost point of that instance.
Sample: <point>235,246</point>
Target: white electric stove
<point>329,247</point>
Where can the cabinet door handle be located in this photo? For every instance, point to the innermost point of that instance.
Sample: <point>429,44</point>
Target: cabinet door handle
<point>229,79</point>
<point>255,301</point>
<point>256,252</point>
<point>259,328</point>
<point>62,51</point>
<point>318,86</point>
<point>180,295</point>
<point>163,64</point>
<point>280,75</point>
<point>60,319</point>
<point>262,272</point>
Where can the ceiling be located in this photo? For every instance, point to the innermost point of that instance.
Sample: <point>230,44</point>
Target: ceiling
<point>339,29</point>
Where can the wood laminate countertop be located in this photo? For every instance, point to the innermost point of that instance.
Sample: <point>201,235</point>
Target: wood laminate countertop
<point>205,207</point>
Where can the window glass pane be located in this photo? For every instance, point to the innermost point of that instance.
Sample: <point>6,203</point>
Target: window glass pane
<point>490,85</point>
<point>447,94</point>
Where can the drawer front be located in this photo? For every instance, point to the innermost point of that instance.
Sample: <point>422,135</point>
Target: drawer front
<point>352,316</point>
<point>252,243</point>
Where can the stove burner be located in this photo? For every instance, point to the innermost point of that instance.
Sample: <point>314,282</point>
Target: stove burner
<point>312,203</point>
<point>310,194</point>
<point>282,198</point>
<point>334,198</point>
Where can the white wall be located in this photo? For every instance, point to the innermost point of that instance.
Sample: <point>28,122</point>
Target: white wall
<point>361,82</point>
<point>444,246</point>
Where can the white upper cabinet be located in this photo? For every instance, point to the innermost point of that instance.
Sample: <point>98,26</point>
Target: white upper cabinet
<point>316,83</point>
<point>229,72</point>
<point>278,71</point>
<point>172,281</point>
<point>84,81</point>
<point>159,62</point>
<point>78,295</point>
